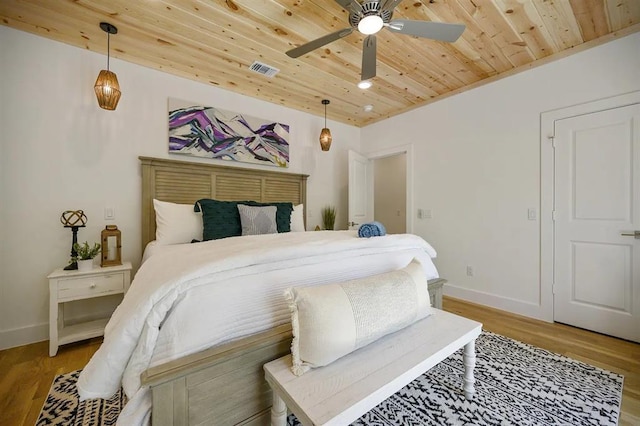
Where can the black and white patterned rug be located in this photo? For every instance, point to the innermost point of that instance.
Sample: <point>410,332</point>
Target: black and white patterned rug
<point>516,384</point>
<point>63,408</point>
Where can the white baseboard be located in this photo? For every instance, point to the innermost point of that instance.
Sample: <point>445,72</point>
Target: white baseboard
<point>520,307</point>
<point>24,336</point>
<point>38,333</point>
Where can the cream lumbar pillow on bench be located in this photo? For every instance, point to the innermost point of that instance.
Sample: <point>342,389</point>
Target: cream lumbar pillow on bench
<point>330,321</point>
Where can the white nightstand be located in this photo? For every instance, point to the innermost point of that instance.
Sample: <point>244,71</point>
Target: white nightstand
<point>66,286</point>
<point>435,292</point>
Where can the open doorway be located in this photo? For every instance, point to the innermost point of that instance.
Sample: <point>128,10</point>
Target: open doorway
<point>390,192</point>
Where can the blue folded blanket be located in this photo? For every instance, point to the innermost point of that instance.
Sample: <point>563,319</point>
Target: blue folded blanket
<point>371,229</point>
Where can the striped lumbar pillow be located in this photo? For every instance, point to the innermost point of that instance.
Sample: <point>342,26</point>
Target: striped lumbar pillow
<point>330,321</point>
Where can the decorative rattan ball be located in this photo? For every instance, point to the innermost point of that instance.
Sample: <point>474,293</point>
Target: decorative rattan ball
<point>71,218</point>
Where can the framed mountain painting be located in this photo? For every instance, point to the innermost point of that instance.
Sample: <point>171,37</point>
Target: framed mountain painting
<point>205,131</point>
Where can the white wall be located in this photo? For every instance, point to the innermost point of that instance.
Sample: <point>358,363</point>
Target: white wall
<point>60,151</point>
<point>477,167</point>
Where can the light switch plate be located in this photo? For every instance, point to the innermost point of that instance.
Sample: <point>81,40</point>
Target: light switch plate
<point>109,213</point>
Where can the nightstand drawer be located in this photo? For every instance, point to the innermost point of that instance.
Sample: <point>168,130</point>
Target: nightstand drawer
<point>91,286</point>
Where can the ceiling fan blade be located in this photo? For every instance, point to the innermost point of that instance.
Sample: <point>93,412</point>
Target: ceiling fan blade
<point>369,57</point>
<point>389,4</point>
<point>319,42</point>
<point>427,29</point>
<point>352,5</point>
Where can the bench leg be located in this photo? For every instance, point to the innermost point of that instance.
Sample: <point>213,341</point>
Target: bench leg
<point>469,360</point>
<point>278,411</point>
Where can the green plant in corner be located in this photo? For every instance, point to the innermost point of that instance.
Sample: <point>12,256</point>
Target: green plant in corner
<point>86,252</point>
<point>329,217</point>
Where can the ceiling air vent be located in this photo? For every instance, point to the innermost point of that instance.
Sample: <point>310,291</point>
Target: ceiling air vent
<point>263,69</point>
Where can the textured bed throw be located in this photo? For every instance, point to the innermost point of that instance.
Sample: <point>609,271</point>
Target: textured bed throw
<point>330,321</point>
<point>371,229</point>
<point>180,301</point>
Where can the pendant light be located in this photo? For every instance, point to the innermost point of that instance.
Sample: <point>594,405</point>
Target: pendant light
<point>325,134</point>
<point>107,87</point>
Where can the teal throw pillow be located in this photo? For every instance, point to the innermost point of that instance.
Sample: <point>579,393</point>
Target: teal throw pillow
<point>221,219</point>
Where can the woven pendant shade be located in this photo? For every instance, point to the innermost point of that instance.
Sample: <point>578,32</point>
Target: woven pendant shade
<point>325,139</point>
<point>325,134</point>
<point>107,87</point>
<point>107,90</point>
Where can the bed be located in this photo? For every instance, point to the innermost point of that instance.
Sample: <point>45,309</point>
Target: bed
<point>220,381</point>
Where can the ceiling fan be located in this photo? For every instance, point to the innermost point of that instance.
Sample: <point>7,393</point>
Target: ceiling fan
<point>371,16</point>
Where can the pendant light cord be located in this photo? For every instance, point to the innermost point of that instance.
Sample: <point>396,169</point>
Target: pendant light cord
<point>325,116</point>
<point>108,48</point>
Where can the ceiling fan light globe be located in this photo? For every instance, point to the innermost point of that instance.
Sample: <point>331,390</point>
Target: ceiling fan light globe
<point>370,24</point>
<point>365,84</point>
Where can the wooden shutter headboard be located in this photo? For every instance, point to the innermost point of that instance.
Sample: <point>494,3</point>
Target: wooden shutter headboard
<point>186,182</point>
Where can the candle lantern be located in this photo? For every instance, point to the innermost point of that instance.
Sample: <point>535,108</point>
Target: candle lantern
<point>111,246</point>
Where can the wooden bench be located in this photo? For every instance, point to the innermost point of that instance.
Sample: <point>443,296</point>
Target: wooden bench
<point>341,392</point>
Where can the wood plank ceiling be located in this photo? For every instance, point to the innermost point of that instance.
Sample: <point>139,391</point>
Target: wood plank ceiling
<point>215,42</point>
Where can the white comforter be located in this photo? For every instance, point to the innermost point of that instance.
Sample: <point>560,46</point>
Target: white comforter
<point>156,312</point>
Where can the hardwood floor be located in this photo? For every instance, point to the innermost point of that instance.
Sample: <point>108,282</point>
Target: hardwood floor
<point>26,372</point>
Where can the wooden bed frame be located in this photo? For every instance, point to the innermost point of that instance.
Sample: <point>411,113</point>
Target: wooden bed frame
<point>225,384</point>
<point>186,182</point>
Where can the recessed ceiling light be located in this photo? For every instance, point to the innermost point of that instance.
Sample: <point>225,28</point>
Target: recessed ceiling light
<point>368,108</point>
<point>365,84</point>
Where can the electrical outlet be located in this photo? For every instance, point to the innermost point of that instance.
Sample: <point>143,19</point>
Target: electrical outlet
<point>531,214</point>
<point>469,271</point>
<point>427,214</point>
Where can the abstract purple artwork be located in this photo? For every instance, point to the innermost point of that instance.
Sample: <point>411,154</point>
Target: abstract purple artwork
<point>210,132</point>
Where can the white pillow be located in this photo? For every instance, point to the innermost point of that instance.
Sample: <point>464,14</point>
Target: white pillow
<point>297,218</point>
<point>330,321</point>
<point>176,223</point>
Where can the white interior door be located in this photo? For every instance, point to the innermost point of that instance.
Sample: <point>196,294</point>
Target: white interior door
<point>360,190</point>
<point>597,200</point>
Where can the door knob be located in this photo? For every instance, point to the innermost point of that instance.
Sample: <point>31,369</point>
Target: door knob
<point>635,234</point>
<point>352,224</point>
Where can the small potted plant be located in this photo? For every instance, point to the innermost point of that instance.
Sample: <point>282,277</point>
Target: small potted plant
<point>85,255</point>
<point>329,217</point>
